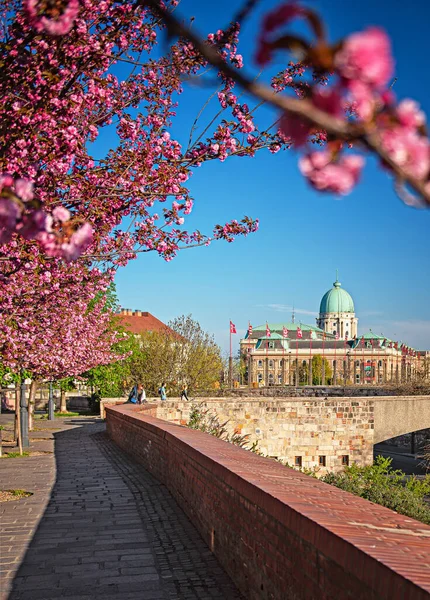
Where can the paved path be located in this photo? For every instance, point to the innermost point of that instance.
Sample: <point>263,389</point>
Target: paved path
<point>99,526</point>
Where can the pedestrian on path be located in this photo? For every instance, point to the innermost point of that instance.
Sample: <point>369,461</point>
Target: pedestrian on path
<point>184,394</point>
<point>162,392</point>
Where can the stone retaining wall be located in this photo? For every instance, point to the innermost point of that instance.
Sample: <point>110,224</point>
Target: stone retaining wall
<point>281,535</point>
<point>320,433</point>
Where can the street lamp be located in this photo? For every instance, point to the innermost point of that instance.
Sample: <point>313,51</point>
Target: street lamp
<point>50,403</point>
<point>23,407</point>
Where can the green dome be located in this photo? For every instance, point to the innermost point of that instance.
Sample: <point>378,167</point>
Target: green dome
<point>336,300</point>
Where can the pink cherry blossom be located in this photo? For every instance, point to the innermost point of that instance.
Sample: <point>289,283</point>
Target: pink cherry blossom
<point>79,242</point>
<point>366,57</point>
<point>9,214</point>
<point>409,114</point>
<point>61,214</point>
<point>408,149</point>
<point>363,100</point>
<point>24,189</point>
<point>325,175</point>
<point>58,26</point>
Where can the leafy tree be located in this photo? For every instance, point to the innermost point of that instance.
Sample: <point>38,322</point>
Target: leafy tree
<point>317,370</point>
<point>114,379</point>
<point>182,353</point>
<point>198,356</point>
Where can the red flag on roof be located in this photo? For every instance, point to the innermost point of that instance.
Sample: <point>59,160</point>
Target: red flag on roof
<point>268,334</point>
<point>284,332</point>
<point>232,327</point>
<point>299,332</point>
<point>249,330</point>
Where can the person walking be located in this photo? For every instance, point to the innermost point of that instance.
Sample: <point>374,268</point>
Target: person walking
<point>184,394</point>
<point>162,392</point>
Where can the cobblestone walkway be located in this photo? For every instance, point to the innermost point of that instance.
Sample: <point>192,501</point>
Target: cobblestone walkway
<point>108,530</point>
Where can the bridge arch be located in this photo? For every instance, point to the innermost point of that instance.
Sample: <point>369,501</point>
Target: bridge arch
<point>398,415</point>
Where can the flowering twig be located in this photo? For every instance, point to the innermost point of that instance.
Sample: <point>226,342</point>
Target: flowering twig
<point>302,108</point>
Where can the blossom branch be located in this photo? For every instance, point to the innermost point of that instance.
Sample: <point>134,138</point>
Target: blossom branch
<point>304,108</point>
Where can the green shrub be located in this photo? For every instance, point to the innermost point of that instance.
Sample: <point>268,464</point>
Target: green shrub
<point>204,420</point>
<point>389,487</point>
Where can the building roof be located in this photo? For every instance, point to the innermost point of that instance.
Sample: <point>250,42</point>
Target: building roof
<point>373,336</point>
<point>139,322</point>
<point>337,300</point>
<point>272,336</point>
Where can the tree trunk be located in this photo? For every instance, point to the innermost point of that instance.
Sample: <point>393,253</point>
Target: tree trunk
<point>18,417</point>
<point>16,424</point>
<point>63,405</point>
<point>31,402</point>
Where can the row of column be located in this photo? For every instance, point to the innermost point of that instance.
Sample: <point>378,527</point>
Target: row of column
<point>400,373</point>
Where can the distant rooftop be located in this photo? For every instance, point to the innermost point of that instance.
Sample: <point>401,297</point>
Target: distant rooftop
<point>138,321</point>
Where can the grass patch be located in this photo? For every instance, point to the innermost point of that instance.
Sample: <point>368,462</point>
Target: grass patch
<point>62,415</point>
<point>15,454</point>
<point>20,493</point>
<point>9,495</point>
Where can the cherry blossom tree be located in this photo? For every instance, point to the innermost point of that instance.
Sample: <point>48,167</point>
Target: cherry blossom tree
<point>73,69</point>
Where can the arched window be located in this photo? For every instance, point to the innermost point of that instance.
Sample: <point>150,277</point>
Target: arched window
<point>271,345</point>
<point>271,379</point>
<point>280,378</point>
<point>260,378</point>
<point>260,364</point>
<point>271,364</point>
<point>357,363</point>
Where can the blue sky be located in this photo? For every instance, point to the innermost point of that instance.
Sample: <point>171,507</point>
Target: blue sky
<point>379,245</point>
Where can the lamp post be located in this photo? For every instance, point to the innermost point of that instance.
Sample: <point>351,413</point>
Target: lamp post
<point>23,414</point>
<point>51,403</point>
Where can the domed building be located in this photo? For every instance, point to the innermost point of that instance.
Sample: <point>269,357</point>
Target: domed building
<point>337,314</point>
<point>332,352</point>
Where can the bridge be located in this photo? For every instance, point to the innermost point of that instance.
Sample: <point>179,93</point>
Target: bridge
<point>326,432</point>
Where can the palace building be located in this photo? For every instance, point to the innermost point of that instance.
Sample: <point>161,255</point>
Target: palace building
<point>332,352</point>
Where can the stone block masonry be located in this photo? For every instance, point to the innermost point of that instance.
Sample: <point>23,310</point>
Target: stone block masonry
<point>281,535</point>
<point>316,432</point>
